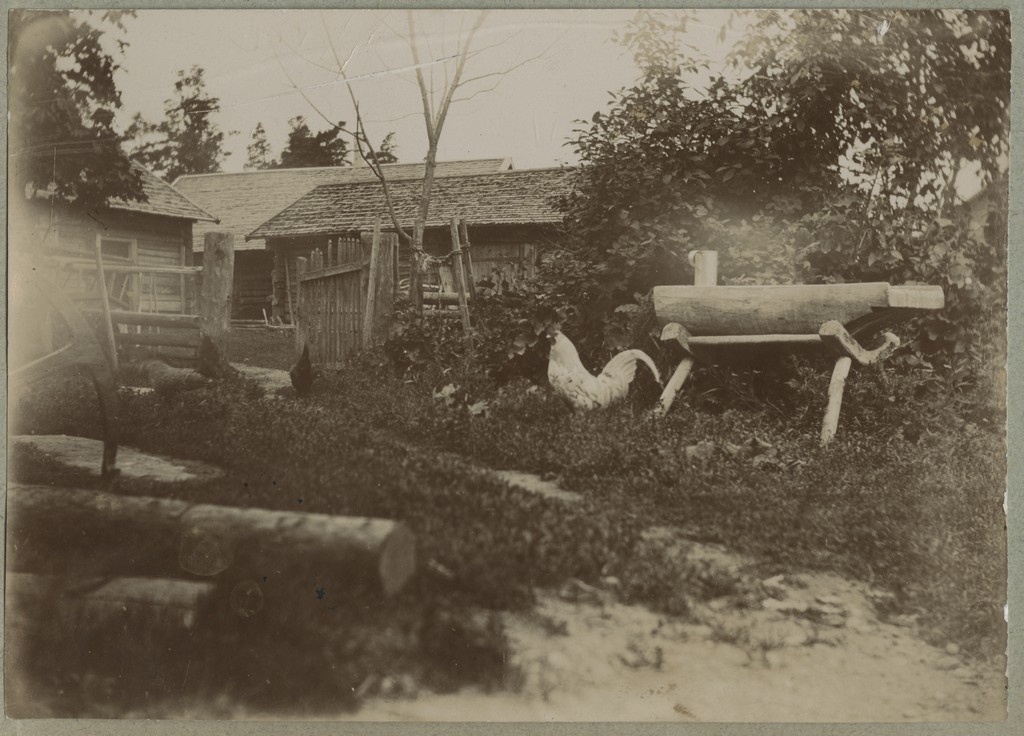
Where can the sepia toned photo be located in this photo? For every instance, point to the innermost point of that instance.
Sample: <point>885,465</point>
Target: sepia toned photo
<point>566,365</point>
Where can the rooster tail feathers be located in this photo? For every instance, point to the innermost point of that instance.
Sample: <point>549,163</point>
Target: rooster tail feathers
<point>641,355</point>
<point>623,365</point>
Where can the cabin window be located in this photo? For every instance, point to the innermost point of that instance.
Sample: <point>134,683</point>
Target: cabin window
<point>116,248</point>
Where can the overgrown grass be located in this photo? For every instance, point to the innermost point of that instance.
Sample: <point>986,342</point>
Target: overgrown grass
<point>908,497</point>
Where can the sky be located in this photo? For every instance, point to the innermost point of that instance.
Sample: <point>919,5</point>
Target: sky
<point>552,68</point>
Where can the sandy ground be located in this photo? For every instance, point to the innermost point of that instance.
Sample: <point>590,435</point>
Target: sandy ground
<point>796,659</point>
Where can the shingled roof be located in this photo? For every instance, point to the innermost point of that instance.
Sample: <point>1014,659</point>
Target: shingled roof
<point>162,199</point>
<point>510,198</point>
<point>242,201</point>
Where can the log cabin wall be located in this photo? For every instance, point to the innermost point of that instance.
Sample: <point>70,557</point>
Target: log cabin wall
<point>151,240</point>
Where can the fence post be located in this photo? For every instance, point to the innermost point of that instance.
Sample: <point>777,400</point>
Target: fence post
<point>299,318</point>
<point>215,303</point>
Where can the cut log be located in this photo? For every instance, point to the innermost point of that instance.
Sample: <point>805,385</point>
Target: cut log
<point>62,530</point>
<point>791,309</point>
<point>94,605</point>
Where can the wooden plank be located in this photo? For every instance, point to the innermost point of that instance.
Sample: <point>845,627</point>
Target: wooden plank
<point>752,310</point>
<point>64,528</point>
<point>149,319</point>
<point>334,270</point>
<point>165,339</point>
<point>728,340</point>
<point>288,290</point>
<point>301,327</point>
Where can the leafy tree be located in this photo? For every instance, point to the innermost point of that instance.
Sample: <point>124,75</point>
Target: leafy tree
<point>305,148</point>
<point>258,151</point>
<point>385,153</point>
<point>825,150</point>
<point>187,140</point>
<point>62,101</point>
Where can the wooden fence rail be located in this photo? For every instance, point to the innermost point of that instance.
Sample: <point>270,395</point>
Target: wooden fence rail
<point>204,332</point>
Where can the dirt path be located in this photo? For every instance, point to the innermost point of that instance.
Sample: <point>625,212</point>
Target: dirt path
<point>815,652</point>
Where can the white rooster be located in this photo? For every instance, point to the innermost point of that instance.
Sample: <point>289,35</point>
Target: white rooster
<point>571,380</point>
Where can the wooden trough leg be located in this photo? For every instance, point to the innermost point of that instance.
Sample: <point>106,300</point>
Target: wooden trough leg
<point>675,331</point>
<point>668,396</point>
<point>835,398</point>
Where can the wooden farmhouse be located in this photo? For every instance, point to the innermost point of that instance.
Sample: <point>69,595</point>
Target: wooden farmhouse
<point>509,216</point>
<point>154,232</point>
<point>244,201</point>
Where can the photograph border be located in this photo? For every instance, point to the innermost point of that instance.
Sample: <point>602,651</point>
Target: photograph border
<point>1015,414</point>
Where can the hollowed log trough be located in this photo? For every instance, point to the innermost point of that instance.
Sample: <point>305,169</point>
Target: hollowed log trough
<point>706,321</point>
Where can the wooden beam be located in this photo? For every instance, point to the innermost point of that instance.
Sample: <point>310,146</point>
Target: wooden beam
<point>83,532</point>
<point>737,340</point>
<point>149,319</point>
<point>164,339</point>
<point>133,268</point>
<point>300,319</point>
<point>288,289</point>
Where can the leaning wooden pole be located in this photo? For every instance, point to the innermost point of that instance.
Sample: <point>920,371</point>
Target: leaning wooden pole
<point>215,303</point>
<point>108,325</point>
<point>84,532</point>
<point>460,286</point>
<point>370,308</point>
<point>415,269</point>
<point>464,239</point>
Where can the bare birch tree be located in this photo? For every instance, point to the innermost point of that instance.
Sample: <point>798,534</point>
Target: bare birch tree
<point>436,98</point>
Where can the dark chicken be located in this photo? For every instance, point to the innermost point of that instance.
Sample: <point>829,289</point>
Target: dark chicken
<point>302,373</point>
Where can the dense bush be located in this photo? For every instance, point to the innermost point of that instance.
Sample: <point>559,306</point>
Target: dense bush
<point>803,160</point>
